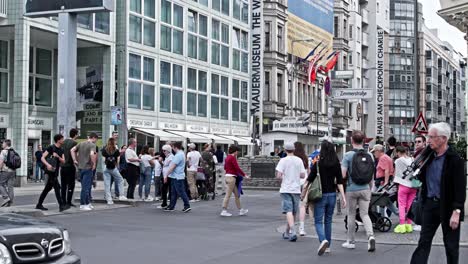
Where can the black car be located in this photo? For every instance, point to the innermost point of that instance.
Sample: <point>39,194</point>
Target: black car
<point>24,239</point>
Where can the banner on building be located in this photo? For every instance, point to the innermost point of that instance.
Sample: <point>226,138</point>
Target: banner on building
<point>256,38</point>
<point>116,115</point>
<point>380,84</point>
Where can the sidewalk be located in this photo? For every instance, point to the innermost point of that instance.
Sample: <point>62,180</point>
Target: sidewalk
<point>33,188</point>
<point>389,238</point>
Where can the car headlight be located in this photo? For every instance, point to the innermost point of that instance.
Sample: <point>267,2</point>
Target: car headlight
<point>66,242</point>
<point>5,257</point>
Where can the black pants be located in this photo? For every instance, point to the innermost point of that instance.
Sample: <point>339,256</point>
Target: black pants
<point>52,182</point>
<point>133,173</point>
<point>68,183</point>
<point>430,224</point>
<point>166,191</point>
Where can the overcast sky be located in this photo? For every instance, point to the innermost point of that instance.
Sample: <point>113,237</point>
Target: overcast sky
<point>446,32</point>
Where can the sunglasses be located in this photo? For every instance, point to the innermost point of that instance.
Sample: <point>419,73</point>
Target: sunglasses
<point>418,141</point>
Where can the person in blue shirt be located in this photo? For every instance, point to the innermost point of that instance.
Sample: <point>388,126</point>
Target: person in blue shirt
<point>177,174</point>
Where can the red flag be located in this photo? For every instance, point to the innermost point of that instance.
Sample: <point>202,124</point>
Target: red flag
<point>313,74</point>
<point>331,64</point>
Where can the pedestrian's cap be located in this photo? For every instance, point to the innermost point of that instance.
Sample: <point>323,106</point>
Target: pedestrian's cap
<point>377,147</point>
<point>289,146</point>
<point>191,145</point>
<point>167,148</point>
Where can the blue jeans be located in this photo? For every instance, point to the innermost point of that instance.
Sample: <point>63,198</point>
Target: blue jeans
<point>178,190</point>
<point>39,170</point>
<point>86,184</point>
<point>108,175</point>
<point>145,179</point>
<point>324,208</point>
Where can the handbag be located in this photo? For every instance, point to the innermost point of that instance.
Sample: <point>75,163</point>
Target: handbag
<point>415,213</point>
<point>52,161</point>
<point>314,190</point>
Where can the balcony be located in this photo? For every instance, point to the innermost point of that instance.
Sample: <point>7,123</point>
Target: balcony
<point>365,16</point>
<point>3,8</point>
<point>365,39</point>
<point>365,63</point>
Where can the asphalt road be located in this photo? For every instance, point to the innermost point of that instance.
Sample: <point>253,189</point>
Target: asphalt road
<point>145,234</point>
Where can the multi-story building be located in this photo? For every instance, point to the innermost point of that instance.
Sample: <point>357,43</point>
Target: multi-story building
<point>179,68</point>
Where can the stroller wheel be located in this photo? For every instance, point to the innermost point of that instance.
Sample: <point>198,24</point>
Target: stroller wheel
<point>383,224</point>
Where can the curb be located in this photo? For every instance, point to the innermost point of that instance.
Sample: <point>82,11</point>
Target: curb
<point>27,212</point>
<point>130,202</point>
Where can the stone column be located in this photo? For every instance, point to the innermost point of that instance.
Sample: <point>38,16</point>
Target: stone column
<point>108,97</point>
<point>20,97</point>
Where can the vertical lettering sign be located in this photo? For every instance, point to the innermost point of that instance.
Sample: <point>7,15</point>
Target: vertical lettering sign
<point>256,37</point>
<point>380,84</point>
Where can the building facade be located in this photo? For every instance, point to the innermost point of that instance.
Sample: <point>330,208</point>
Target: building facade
<point>179,69</point>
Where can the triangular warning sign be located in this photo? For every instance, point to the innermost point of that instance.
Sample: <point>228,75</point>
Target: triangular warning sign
<point>420,126</point>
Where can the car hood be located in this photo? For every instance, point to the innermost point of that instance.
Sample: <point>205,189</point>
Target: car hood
<point>15,224</point>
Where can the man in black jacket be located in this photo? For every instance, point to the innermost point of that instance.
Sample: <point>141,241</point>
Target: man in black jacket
<point>443,193</point>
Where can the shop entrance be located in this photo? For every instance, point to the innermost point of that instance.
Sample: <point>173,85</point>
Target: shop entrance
<point>33,145</point>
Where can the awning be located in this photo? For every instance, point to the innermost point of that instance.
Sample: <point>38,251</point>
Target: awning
<point>217,139</point>
<point>191,136</point>
<point>240,140</point>
<point>161,134</point>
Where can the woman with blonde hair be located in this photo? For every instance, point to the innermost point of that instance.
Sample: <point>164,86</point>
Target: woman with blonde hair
<point>111,159</point>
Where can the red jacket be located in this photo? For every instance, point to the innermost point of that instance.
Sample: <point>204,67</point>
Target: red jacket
<point>232,167</point>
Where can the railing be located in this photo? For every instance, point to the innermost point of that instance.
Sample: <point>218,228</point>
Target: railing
<point>3,8</point>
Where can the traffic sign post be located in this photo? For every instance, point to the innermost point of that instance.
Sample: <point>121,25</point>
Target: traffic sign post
<point>420,126</point>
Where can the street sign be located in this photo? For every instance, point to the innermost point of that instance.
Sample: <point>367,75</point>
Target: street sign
<point>345,75</point>
<point>420,126</point>
<point>352,93</point>
<point>41,8</point>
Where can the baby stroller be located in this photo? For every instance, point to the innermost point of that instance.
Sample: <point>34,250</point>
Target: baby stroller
<point>382,197</point>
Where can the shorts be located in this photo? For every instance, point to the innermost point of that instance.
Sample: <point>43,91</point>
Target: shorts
<point>290,202</point>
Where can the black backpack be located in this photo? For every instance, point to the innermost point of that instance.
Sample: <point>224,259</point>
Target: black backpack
<point>362,167</point>
<point>13,160</point>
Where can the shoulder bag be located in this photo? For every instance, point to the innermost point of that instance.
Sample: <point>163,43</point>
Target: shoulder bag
<point>314,191</point>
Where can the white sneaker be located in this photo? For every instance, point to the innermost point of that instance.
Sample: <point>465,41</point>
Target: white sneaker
<point>122,198</point>
<point>302,231</point>
<point>149,199</point>
<point>85,208</point>
<point>417,228</point>
<point>328,251</point>
<point>193,201</point>
<point>323,246</point>
<point>91,206</point>
<point>348,245</point>
<point>225,213</point>
<point>110,202</point>
<point>371,244</point>
<point>243,212</point>
<point>157,199</point>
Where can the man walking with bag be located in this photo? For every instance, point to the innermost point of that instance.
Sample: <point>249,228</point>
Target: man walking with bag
<point>443,194</point>
<point>358,171</point>
<point>7,173</point>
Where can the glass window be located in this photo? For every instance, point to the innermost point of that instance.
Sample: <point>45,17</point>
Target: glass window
<point>215,25</point>
<point>85,21</point>
<point>135,6</point>
<point>244,112</point>
<point>202,81</point>
<point>165,38</point>
<point>225,7</point>
<point>202,105</point>
<point>192,79</point>
<point>235,110</point>
<point>224,109</point>
<point>225,56</point>
<point>102,23</point>
<point>134,66</point>
<point>165,100</point>
<point>203,26</point>
<point>244,91</point>
<point>135,29</point>
<point>203,46</point>
<point>149,8</point>
<point>177,75</point>
<point>216,5</point>
<point>4,87</point>
<point>166,11</point>
<point>192,21</point>
<point>178,16</point>
<point>148,69</point>
<point>192,46</point>
<point>176,101</point>
<point>178,42</point>
<point>245,62</point>
<point>214,107</point>
<point>236,60</point>
<point>245,13</point>
<point>31,90</point>
<point>215,53</point>
<point>149,31</point>
<point>224,86</point>
<point>236,38</point>
<point>165,73</point>
<point>225,33</point>
<point>191,104</point>
<point>214,84</point>
<point>31,60</point>
<point>245,40</point>
<point>203,2</point>
<point>44,62</point>
<point>43,93</point>
<point>236,9</point>
<point>235,88</point>
<point>148,97</point>
<point>134,95</point>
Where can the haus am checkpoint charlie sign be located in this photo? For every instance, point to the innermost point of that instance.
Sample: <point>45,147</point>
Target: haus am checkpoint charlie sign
<point>40,8</point>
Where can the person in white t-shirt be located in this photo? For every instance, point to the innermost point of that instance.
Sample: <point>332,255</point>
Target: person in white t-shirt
<point>290,170</point>
<point>193,160</point>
